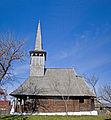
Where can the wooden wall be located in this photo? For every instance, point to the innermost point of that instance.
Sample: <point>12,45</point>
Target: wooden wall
<point>58,105</point>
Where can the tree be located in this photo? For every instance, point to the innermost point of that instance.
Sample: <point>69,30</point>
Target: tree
<point>92,81</point>
<point>105,93</point>
<point>31,103</point>
<point>10,51</point>
<point>63,89</point>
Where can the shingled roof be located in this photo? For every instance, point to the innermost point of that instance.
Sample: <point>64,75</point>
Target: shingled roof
<point>55,82</point>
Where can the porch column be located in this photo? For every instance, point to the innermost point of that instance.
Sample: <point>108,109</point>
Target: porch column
<point>20,104</point>
<point>24,103</point>
<point>16,105</point>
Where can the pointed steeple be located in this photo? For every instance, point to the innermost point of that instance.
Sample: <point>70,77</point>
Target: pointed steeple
<point>38,56</point>
<point>38,43</point>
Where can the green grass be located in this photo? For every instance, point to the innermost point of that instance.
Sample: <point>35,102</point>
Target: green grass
<point>26,117</point>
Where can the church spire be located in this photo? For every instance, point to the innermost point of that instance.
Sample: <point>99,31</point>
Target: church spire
<point>38,56</point>
<point>38,43</point>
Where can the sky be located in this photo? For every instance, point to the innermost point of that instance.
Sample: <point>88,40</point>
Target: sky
<point>75,34</point>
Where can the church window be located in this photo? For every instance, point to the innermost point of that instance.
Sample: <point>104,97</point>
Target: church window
<point>41,54</point>
<point>81,100</point>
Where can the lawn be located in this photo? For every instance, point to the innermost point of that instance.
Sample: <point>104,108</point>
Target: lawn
<point>15,117</point>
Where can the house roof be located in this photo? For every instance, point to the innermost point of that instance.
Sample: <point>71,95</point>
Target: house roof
<point>4,103</point>
<point>55,82</point>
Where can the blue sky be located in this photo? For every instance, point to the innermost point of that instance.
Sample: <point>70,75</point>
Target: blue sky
<point>74,33</point>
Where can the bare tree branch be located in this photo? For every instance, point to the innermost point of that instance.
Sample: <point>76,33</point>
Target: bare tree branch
<point>92,80</point>
<point>105,93</point>
<point>10,51</point>
<point>64,93</point>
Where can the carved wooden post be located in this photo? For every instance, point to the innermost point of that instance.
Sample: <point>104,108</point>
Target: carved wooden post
<point>20,104</point>
<point>16,102</point>
<point>24,107</point>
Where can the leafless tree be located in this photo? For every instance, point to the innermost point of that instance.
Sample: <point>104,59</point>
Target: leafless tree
<point>35,103</point>
<point>92,80</point>
<point>105,93</point>
<point>10,51</point>
<point>32,103</point>
<point>63,89</point>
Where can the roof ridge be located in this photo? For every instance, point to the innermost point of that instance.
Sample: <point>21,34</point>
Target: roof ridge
<point>59,68</point>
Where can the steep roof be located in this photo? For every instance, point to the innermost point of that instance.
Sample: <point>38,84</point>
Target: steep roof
<point>55,82</point>
<point>38,43</point>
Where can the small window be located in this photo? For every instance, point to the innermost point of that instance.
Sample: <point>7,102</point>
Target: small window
<point>81,100</point>
<point>41,54</point>
<point>101,108</point>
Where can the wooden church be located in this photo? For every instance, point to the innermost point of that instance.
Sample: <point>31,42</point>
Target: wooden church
<point>52,90</point>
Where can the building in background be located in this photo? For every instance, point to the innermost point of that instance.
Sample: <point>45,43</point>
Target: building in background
<point>5,105</point>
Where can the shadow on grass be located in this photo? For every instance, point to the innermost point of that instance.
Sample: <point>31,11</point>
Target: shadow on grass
<point>108,119</point>
<point>14,117</point>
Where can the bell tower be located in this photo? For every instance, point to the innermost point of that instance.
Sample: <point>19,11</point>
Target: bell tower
<point>37,56</point>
